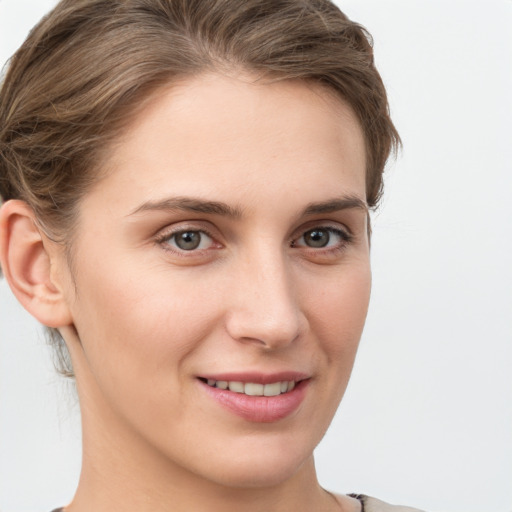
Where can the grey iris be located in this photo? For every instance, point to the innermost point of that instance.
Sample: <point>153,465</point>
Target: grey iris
<point>317,238</point>
<point>188,240</point>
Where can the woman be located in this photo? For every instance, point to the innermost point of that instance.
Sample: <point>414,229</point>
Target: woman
<point>186,190</point>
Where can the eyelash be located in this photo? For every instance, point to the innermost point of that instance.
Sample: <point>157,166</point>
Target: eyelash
<point>164,239</point>
<point>346,239</point>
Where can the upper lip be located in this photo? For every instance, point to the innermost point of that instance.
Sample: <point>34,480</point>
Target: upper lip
<point>257,377</point>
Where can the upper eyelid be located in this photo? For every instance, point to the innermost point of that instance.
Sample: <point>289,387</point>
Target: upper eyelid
<point>325,224</point>
<point>179,227</point>
<point>343,233</point>
<point>167,234</point>
<point>163,240</point>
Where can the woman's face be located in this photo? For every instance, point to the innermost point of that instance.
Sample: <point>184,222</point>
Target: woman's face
<point>226,246</point>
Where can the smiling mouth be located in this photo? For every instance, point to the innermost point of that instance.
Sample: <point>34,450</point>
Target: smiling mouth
<point>253,388</point>
<point>257,397</point>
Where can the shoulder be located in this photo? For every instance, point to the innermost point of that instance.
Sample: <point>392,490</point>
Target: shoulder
<point>375,505</point>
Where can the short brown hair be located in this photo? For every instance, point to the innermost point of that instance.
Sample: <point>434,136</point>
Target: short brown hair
<point>87,67</point>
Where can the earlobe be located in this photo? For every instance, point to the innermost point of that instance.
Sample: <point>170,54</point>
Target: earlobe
<point>27,265</point>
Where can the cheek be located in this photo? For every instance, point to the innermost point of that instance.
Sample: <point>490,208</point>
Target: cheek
<point>139,321</point>
<point>339,311</point>
<point>137,335</point>
<point>336,317</point>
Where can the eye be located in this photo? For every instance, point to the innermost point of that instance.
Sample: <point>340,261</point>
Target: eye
<point>323,238</point>
<point>188,240</point>
<point>317,238</point>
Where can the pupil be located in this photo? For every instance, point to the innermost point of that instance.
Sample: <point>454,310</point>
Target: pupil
<point>317,238</point>
<point>188,240</point>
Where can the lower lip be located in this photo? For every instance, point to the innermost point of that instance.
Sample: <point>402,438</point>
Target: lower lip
<point>259,409</point>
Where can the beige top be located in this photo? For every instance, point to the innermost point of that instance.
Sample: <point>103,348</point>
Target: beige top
<point>375,505</point>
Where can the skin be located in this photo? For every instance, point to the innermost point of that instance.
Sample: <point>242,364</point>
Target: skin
<point>143,318</point>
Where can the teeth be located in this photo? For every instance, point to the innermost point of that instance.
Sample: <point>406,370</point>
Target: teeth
<point>237,387</point>
<point>253,388</point>
<point>272,389</point>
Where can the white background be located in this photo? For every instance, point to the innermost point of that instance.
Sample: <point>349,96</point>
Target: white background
<point>427,419</point>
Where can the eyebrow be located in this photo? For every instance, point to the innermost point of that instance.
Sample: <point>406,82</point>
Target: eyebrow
<point>196,205</point>
<point>335,205</point>
<point>190,204</point>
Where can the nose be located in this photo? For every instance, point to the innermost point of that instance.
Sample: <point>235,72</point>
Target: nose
<point>265,305</point>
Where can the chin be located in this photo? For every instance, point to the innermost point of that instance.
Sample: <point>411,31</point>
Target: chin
<point>247,476</point>
<point>260,467</point>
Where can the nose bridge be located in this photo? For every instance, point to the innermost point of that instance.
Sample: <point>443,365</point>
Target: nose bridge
<point>266,308</point>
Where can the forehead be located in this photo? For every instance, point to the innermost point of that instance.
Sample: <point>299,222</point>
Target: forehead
<point>213,129</point>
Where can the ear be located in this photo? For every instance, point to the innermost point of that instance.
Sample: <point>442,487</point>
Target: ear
<point>32,265</point>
